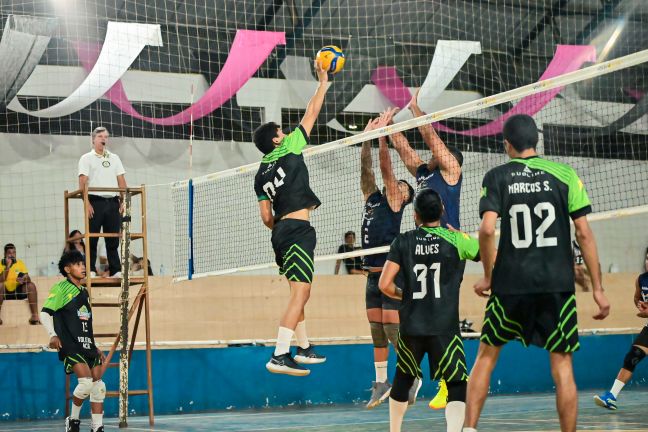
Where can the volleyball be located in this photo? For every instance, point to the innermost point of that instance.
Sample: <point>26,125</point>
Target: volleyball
<point>331,58</point>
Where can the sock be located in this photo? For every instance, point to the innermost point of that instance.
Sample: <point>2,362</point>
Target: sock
<point>396,414</point>
<point>283,341</point>
<point>76,410</point>
<point>616,388</point>
<point>97,420</point>
<point>381,371</point>
<point>300,334</point>
<point>470,430</point>
<point>455,413</point>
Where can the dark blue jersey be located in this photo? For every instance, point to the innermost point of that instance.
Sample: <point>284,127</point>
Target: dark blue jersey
<point>643,286</point>
<point>380,225</point>
<point>450,194</point>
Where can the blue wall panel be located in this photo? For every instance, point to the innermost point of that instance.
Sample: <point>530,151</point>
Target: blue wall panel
<point>193,380</point>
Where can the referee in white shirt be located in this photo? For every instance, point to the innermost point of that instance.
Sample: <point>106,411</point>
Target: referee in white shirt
<point>101,168</point>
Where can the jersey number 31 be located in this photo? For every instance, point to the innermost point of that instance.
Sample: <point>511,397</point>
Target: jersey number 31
<point>421,271</point>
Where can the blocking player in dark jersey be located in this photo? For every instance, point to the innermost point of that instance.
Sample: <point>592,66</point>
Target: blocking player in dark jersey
<point>285,202</point>
<point>430,261</point>
<point>381,222</point>
<point>638,349</point>
<point>67,318</point>
<point>441,173</point>
<point>532,279</point>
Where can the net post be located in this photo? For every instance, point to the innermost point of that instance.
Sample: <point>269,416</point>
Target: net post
<point>190,263</point>
<point>123,306</point>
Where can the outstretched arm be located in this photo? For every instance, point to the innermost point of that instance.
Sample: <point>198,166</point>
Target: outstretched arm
<point>394,195</point>
<point>448,164</point>
<point>315,104</point>
<point>367,177</point>
<point>408,155</point>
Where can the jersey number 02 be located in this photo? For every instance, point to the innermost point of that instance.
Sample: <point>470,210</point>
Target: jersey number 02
<point>545,211</point>
<point>421,271</point>
<point>271,187</point>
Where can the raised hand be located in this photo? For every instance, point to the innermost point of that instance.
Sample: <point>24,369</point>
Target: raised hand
<point>322,75</point>
<point>371,124</point>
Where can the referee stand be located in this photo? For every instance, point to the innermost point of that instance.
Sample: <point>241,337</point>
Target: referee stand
<point>123,341</point>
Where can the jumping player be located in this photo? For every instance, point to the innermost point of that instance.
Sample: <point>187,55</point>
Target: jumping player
<point>430,261</point>
<point>532,279</point>
<point>285,202</point>
<point>67,318</point>
<point>639,347</point>
<point>381,222</point>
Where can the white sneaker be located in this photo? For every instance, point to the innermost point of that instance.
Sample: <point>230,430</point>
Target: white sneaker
<point>93,274</point>
<point>117,275</point>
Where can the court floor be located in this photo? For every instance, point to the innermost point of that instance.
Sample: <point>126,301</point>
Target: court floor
<point>528,412</point>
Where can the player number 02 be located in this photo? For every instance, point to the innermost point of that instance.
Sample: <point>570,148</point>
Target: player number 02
<point>420,270</point>
<point>545,209</point>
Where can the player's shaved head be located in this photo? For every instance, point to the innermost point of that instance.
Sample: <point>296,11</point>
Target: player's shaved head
<point>428,206</point>
<point>521,132</point>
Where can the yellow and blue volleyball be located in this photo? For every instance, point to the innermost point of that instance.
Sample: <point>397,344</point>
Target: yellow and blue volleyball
<point>331,58</point>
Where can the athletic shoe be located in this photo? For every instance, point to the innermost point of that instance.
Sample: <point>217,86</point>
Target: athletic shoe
<point>284,364</point>
<point>72,425</point>
<point>308,355</point>
<point>411,400</point>
<point>379,392</point>
<point>606,400</point>
<point>441,399</point>
<point>117,275</point>
<point>99,429</point>
<point>93,274</point>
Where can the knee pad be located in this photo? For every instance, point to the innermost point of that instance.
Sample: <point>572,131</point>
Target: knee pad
<point>457,391</point>
<point>391,330</point>
<point>83,388</point>
<point>98,393</point>
<point>378,335</point>
<point>402,384</point>
<point>634,356</point>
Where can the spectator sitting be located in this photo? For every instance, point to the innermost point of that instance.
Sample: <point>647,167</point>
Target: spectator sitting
<point>15,283</point>
<point>353,265</point>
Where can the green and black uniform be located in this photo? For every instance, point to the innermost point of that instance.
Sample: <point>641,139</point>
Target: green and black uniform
<point>70,307</point>
<point>533,279</point>
<point>283,179</point>
<point>431,264</point>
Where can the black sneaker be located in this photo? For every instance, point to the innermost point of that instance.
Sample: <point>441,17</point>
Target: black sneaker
<point>284,364</point>
<point>72,425</point>
<point>308,355</point>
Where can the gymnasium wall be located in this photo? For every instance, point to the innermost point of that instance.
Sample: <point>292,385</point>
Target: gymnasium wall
<point>227,308</point>
<point>195,380</point>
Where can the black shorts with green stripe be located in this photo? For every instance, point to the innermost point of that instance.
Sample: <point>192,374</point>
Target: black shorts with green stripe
<point>445,356</point>
<point>72,359</point>
<point>546,320</point>
<point>294,241</point>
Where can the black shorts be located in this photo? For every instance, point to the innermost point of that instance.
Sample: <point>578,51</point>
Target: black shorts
<point>375,299</point>
<point>294,241</point>
<point>545,320</point>
<point>20,293</point>
<point>445,355</point>
<point>72,359</point>
<point>642,339</point>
